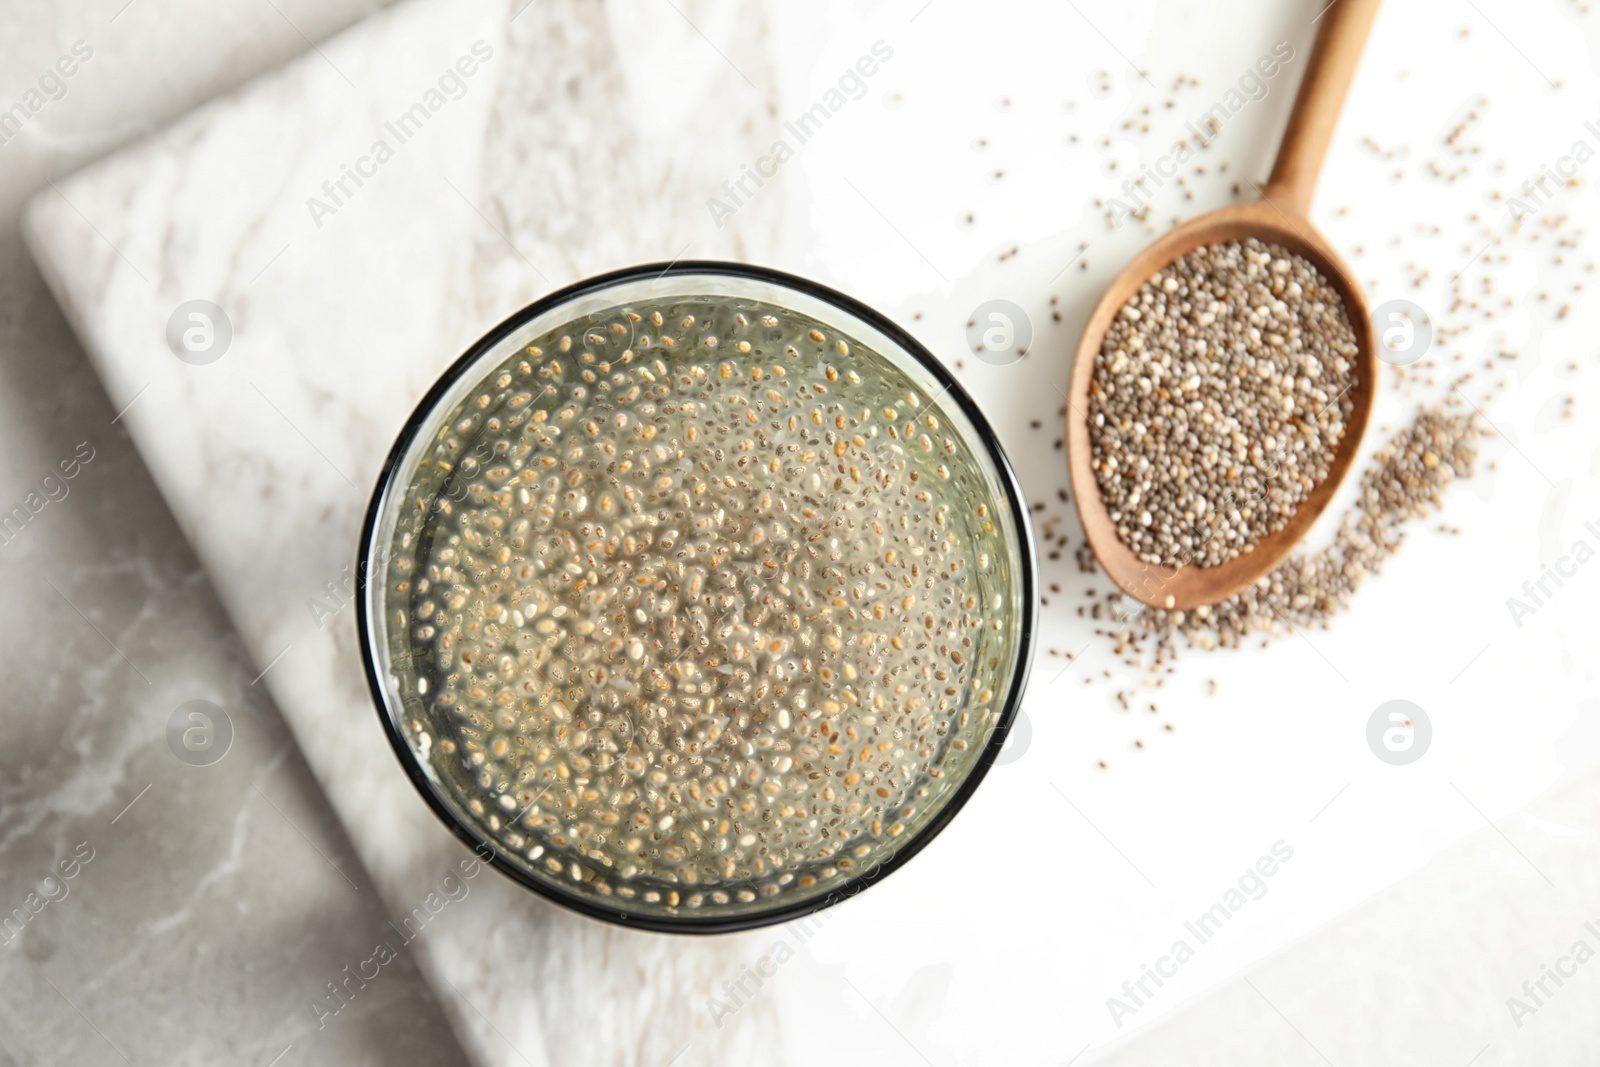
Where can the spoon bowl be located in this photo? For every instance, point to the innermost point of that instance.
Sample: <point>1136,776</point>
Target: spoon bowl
<point>1279,218</point>
<point>1178,584</point>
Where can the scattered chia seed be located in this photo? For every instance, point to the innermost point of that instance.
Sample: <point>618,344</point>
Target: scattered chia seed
<point>1460,265</point>
<point>1405,480</point>
<point>1218,401</point>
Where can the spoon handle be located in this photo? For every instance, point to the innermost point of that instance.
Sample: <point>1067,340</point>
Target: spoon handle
<point>1329,71</point>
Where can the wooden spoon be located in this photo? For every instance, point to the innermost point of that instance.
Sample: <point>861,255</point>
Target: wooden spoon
<point>1279,217</point>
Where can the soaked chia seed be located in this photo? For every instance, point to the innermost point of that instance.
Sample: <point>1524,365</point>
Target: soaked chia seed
<point>701,602</point>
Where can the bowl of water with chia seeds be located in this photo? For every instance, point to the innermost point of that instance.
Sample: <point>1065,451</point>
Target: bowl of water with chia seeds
<point>698,597</point>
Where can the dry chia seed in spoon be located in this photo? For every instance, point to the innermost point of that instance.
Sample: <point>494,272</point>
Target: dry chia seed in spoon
<point>1218,401</point>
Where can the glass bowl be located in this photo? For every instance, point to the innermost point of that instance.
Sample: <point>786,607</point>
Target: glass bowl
<point>697,597</point>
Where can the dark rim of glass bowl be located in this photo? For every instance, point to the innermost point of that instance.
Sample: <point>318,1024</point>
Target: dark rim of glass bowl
<point>750,917</point>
